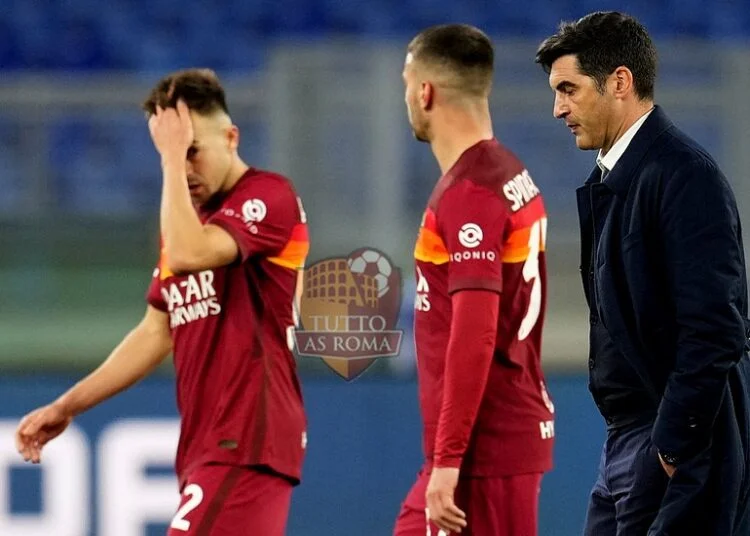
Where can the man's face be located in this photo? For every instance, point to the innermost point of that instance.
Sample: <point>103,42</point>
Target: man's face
<point>579,103</point>
<point>414,98</point>
<point>209,159</point>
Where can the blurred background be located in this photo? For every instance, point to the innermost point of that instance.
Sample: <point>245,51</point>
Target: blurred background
<point>316,90</point>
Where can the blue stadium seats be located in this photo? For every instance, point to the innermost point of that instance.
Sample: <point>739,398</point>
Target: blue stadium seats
<point>13,180</point>
<point>104,167</point>
<point>163,34</point>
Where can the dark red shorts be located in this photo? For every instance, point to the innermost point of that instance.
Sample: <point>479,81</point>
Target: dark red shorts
<point>220,500</point>
<point>506,506</point>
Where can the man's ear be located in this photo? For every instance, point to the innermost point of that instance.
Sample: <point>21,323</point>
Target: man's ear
<point>427,96</point>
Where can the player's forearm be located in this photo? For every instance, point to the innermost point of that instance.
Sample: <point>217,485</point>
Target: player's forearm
<point>468,362</point>
<point>139,353</point>
<point>181,228</point>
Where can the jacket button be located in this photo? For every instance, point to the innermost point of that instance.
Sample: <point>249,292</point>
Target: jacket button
<point>591,364</point>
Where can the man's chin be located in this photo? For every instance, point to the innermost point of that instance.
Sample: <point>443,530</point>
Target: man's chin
<point>585,144</point>
<point>198,199</point>
<point>420,137</point>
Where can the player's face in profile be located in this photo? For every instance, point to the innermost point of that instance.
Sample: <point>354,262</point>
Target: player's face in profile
<point>209,159</point>
<point>417,116</point>
<point>579,103</point>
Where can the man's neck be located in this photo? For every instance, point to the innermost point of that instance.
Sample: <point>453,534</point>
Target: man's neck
<point>237,171</point>
<point>456,134</point>
<point>624,123</point>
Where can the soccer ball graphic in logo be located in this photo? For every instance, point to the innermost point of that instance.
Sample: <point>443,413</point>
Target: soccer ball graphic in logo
<point>373,263</point>
<point>349,310</point>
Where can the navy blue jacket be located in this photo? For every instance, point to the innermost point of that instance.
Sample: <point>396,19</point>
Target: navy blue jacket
<point>671,290</point>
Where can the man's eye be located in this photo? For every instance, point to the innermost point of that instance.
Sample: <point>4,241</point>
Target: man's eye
<point>192,152</point>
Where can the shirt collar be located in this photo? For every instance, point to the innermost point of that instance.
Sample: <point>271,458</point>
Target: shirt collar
<point>607,162</point>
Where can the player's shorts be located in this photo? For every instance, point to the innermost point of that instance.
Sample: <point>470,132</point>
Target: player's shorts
<point>507,506</point>
<point>221,500</point>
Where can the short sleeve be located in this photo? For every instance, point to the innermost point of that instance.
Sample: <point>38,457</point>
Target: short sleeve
<point>472,220</point>
<point>260,217</point>
<point>154,295</point>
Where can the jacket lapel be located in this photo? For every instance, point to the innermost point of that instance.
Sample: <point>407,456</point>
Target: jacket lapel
<point>620,177</point>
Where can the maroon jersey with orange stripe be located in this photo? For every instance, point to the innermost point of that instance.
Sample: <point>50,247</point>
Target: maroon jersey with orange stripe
<point>485,228</point>
<point>232,327</point>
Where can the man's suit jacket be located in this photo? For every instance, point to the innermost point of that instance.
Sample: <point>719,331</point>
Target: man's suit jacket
<point>671,291</point>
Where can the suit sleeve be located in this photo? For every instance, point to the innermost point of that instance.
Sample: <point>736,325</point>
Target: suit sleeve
<point>260,218</point>
<point>472,221</point>
<point>705,272</point>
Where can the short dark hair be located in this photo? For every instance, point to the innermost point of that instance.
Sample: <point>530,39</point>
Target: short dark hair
<point>464,49</point>
<point>602,42</point>
<point>199,88</point>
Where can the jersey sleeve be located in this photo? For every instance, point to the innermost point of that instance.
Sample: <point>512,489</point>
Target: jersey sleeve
<point>262,218</point>
<point>154,296</point>
<point>472,220</point>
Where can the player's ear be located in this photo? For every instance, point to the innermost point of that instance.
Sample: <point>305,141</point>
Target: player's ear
<point>427,96</point>
<point>233,137</point>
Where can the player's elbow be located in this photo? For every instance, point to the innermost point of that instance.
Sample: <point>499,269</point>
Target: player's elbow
<point>183,261</point>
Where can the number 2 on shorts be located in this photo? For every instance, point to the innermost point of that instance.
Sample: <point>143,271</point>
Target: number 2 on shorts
<point>195,494</point>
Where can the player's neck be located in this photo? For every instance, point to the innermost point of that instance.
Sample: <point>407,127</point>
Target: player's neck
<point>457,134</point>
<point>236,172</point>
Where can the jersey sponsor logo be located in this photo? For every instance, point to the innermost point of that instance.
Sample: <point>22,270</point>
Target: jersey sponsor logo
<point>422,296</point>
<point>463,256</point>
<point>349,310</point>
<point>191,298</point>
<point>520,190</point>
<point>470,235</point>
<point>254,211</point>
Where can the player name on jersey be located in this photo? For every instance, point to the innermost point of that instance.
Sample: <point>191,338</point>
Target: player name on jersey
<point>520,190</point>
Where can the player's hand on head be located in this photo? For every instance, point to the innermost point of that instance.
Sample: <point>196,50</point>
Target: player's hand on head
<point>441,508</point>
<point>172,130</point>
<point>39,427</point>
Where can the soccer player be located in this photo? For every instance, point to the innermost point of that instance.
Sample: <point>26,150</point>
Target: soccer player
<point>481,295</point>
<point>234,240</point>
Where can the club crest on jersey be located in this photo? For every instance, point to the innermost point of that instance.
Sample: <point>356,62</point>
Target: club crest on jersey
<point>349,309</point>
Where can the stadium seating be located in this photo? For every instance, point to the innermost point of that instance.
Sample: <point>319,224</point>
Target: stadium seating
<point>81,34</point>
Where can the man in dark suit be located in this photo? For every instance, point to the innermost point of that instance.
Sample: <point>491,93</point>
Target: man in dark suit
<point>663,272</point>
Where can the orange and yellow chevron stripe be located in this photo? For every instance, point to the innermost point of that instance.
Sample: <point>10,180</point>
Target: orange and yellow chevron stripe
<point>295,251</point>
<point>430,247</point>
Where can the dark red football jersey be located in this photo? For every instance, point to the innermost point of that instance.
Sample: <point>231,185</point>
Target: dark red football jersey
<point>485,228</point>
<point>238,393</point>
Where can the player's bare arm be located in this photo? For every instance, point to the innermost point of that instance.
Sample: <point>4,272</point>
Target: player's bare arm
<point>139,353</point>
<point>189,245</point>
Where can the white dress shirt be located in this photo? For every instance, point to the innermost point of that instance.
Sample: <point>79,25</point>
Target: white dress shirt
<point>607,162</point>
